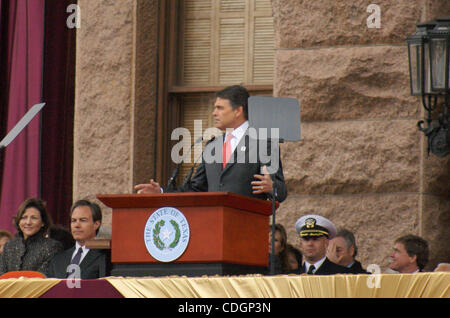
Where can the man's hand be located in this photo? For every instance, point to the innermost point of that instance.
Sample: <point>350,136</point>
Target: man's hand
<point>152,187</point>
<point>264,185</point>
<point>332,253</point>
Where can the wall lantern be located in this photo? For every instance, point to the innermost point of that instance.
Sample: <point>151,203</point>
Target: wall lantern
<point>429,68</point>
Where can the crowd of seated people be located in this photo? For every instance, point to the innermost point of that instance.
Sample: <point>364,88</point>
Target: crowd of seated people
<point>325,250</point>
<point>54,251</point>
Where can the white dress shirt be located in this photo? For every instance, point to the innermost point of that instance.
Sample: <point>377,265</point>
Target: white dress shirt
<point>237,133</point>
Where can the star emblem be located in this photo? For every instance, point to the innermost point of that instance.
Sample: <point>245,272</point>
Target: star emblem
<point>166,233</point>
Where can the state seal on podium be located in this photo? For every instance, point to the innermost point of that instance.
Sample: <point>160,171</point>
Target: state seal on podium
<point>166,234</point>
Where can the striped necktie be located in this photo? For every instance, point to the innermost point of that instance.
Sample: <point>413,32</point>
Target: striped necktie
<point>76,259</point>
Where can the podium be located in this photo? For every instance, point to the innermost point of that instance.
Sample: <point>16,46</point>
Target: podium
<point>229,234</point>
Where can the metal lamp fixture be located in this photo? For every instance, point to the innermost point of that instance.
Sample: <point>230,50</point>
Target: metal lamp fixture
<point>429,68</point>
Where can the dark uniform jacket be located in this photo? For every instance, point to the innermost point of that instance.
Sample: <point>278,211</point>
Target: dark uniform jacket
<point>94,265</point>
<point>33,254</point>
<point>238,173</point>
<point>328,268</point>
<point>357,268</point>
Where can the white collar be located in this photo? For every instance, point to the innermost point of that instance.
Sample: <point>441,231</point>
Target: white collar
<point>84,248</point>
<point>316,264</point>
<point>239,131</point>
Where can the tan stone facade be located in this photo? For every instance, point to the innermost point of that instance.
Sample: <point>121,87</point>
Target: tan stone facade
<point>361,161</point>
<point>115,103</point>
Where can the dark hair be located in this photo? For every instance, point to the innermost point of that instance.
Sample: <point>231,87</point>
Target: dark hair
<point>237,95</point>
<point>415,245</point>
<point>95,209</point>
<point>39,205</point>
<point>61,234</point>
<point>298,255</point>
<point>349,239</point>
<point>4,233</point>
<point>283,242</point>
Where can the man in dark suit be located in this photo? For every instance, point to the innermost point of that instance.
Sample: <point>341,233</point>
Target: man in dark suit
<point>342,250</point>
<point>315,231</point>
<point>79,261</point>
<point>235,162</point>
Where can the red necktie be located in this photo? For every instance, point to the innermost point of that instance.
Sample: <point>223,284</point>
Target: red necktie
<point>226,150</point>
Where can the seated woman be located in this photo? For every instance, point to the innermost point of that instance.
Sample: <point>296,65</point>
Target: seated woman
<point>294,258</point>
<point>280,253</point>
<point>30,249</point>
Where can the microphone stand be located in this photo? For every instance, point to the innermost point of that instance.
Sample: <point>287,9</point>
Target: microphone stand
<point>272,255</point>
<point>191,171</point>
<point>274,196</point>
<point>171,182</point>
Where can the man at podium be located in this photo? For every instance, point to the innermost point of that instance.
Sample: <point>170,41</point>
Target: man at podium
<point>240,168</point>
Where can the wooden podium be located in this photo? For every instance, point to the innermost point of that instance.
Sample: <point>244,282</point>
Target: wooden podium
<point>228,234</point>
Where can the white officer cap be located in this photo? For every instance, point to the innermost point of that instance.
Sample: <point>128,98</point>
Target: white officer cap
<point>315,225</point>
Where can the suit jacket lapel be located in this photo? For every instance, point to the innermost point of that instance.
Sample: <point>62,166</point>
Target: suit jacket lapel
<point>324,268</point>
<point>68,255</point>
<point>67,259</point>
<point>303,268</point>
<point>218,147</point>
<point>89,258</point>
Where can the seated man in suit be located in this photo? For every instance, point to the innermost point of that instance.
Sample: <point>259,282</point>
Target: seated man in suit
<point>85,221</point>
<point>315,231</point>
<point>234,162</point>
<point>342,250</point>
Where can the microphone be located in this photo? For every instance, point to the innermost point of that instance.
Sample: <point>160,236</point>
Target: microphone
<point>191,171</point>
<point>171,182</point>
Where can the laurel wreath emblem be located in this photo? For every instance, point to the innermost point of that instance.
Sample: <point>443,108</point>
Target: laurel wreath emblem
<point>157,240</point>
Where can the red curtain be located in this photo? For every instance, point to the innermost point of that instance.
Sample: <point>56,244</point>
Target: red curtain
<point>57,120</point>
<point>37,63</point>
<point>23,87</point>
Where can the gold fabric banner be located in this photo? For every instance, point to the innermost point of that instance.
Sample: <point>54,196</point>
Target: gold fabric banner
<point>420,285</point>
<point>26,287</point>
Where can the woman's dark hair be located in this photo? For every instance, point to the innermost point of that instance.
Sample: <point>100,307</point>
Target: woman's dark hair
<point>61,234</point>
<point>298,255</point>
<point>283,256</point>
<point>4,233</point>
<point>39,205</point>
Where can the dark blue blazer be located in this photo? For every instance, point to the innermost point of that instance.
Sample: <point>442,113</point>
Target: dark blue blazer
<point>238,174</point>
<point>94,265</point>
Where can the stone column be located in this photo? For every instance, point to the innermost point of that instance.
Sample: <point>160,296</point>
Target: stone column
<point>361,161</point>
<point>114,98</point>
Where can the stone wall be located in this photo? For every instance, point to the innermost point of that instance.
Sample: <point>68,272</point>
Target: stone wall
<point>361,161</point>
<point>115,103</point>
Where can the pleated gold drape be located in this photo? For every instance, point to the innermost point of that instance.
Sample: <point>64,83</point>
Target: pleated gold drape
<point>423,285</point>
<point>26,287</point>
